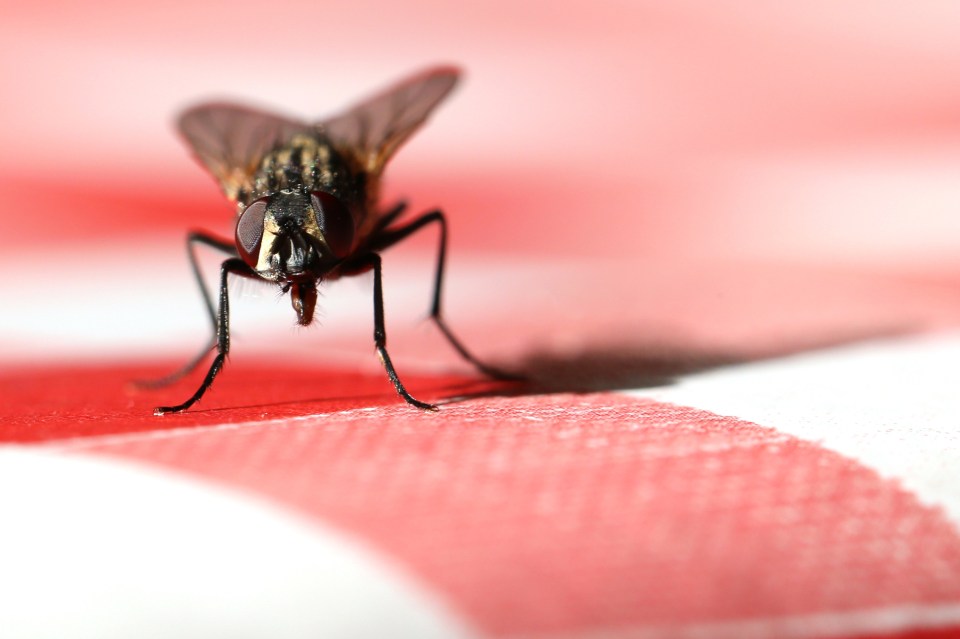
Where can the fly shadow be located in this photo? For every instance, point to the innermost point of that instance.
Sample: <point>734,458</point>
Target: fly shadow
<point>653,364</point>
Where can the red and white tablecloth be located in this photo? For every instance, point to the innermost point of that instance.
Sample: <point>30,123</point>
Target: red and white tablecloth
<point>720,244</point>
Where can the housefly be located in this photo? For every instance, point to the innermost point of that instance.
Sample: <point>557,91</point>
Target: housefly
<point>307,207</point>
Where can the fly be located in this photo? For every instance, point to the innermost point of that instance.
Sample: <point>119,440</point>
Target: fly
<point>307,205</point>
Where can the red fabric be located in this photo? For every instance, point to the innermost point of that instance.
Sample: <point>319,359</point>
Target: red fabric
<point>636,193</point>
<point>541,515</point>
<point>562,514</point>
<point>52,404</point>
<point>553,513</point>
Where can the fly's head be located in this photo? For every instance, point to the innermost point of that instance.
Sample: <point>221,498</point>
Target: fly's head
<point>295,238</point>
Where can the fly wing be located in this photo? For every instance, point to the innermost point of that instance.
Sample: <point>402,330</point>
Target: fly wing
<point>231,140</point>
<point>374,129</point>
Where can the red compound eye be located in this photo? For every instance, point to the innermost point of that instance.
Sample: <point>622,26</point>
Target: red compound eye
<point>250,231</point>
<point>334,221</point>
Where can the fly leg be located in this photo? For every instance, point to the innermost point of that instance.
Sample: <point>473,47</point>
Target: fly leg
<point>364,262</point>
<point>196,237</point>
<point>389,216</point>
<point>392,236</point>
<point>239,267</point>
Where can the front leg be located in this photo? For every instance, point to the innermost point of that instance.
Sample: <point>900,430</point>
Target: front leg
<point>196,237</point>
<point>364,262</point>
<point>238,267</point>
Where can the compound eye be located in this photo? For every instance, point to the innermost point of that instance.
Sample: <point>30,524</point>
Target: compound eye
<point>335,222</point>
<point>250,231</point>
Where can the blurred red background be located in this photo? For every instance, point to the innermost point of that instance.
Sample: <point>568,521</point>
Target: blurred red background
<point>785,130</point>
<point>819,132</point>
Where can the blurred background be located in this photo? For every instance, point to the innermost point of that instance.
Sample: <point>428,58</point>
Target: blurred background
<point>626,151</point>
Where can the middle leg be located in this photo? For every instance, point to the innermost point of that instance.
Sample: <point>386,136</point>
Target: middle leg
<point>392,236</point>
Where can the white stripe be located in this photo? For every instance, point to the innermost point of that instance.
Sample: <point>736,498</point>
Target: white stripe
<point>94,547</point>
<point>894,405</point>
<point>125,316</point>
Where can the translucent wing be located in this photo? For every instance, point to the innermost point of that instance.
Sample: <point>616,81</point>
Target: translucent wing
<point>374,129</point>
<point>231,140</point>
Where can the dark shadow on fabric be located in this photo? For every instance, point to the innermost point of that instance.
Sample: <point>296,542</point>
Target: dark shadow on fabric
<point>612,368</point>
